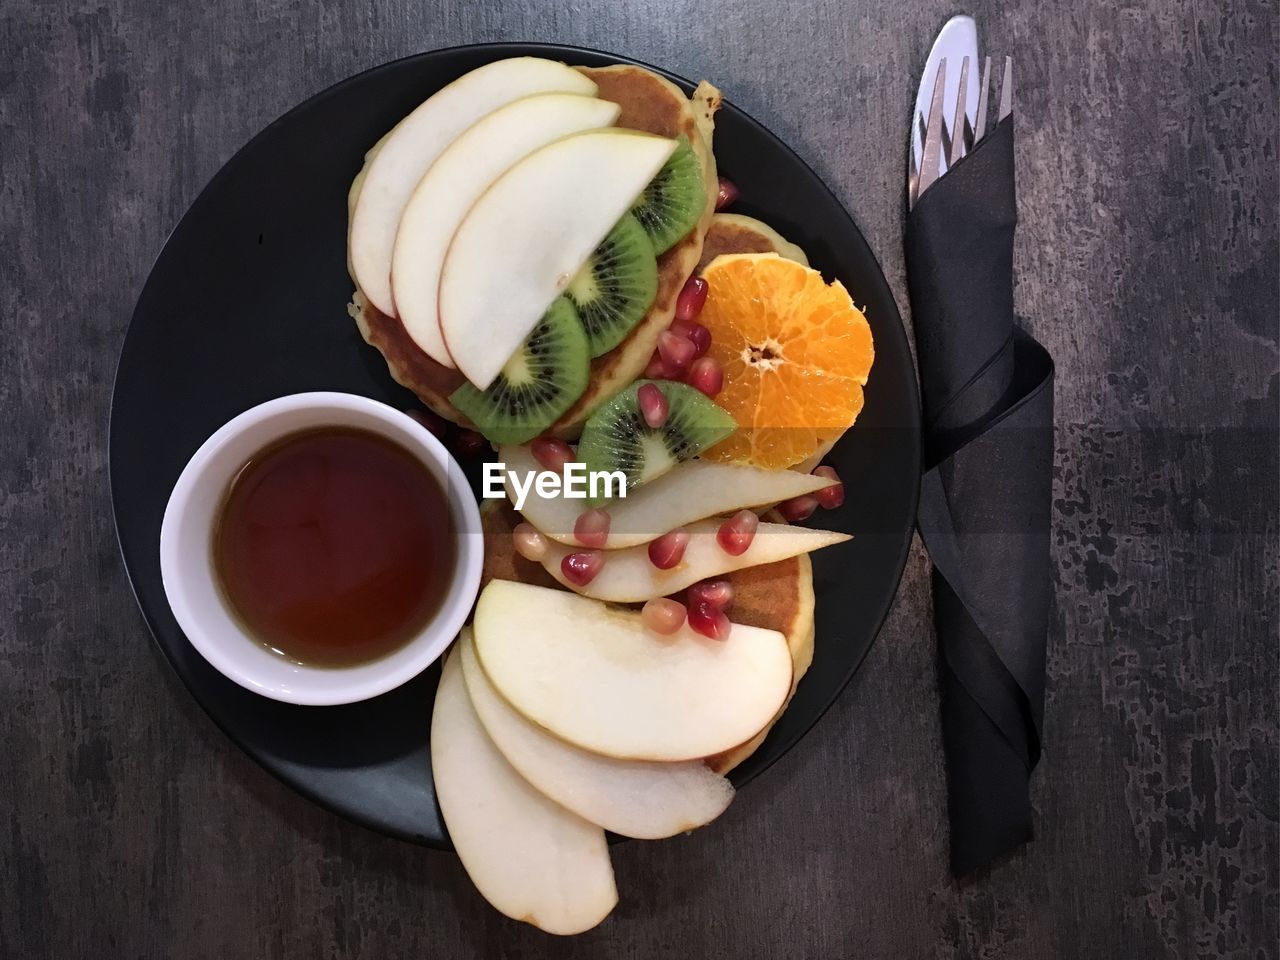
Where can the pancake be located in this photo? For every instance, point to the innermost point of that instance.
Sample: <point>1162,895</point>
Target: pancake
<point>653,105</point>
<point>735,233</point>
<point>777,596</point>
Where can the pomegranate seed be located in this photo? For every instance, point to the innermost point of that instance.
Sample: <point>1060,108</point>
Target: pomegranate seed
<point>709,620</point>
<point>429,420</point>
<point>677,351</point>
<point>657,369</point>
<point>653,405</point>
<point>692,296</point>
<point>718,593</point>
<point>707,375</point>
<point>736,533</point>
<point>727,194</point>
<point>529,542</point>
<point>592,528</point>
<point>701,338</point>
<point>695,332</point>
<point>832,496</point>
<point>581,568</point>
<point>470,444</point>
<point>663,615</point>
<point>798,508</point>
<point>552,452</point>
<point>668,549</point>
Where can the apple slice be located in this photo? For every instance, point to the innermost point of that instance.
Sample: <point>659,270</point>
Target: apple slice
<point>415,142</point>
<point>466,168</point>
<point>596,676</point>
<point>693,490</point>
<point>525,238</point>
<point>633,798</point>
<point>528,856</point>
<point>628,576</point>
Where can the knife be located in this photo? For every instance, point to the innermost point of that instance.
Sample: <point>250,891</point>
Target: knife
<point>957,39</point>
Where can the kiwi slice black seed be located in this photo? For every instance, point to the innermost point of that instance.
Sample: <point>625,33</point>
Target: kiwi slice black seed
<point>538,384</point>
<point>616,286</point>
<point>674,200</point>
<point>616,437</point>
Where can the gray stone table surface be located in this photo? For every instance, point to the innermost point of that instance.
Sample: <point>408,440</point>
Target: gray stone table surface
<point>1147,262</point>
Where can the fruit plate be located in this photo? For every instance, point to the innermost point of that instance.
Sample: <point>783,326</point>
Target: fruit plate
<point>247,302</point>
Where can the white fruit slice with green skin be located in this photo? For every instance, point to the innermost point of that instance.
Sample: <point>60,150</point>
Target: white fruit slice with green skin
<point>633,798</point>
<point>466,168</point>
<point>526,237</point>
<point>528,856</point>
<point>628,576</point>
<point>692,491</point>
<point>417,140</point>
<point>595,676</point>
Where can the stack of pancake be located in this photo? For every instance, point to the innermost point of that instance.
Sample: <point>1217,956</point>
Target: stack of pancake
<point>778,596</point>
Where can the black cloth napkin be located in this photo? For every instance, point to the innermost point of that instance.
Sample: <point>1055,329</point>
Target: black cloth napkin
<point>985,497</point>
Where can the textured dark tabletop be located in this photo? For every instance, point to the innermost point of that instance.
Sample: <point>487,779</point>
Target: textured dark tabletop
<point>1147,263</point>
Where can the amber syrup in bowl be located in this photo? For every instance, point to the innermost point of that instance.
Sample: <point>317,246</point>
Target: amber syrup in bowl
<point>334,546</point>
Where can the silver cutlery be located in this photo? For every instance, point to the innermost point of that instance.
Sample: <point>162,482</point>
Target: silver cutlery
<point>942,145</point>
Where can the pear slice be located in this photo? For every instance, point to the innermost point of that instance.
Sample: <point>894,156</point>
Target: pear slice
<point>524,239</point>
<point>628,576</point>
<point>692,491</point>
<point>466,168</point>
<point>595,676</point>
<point>527,855</point>
<point>413,144</point>
<point>633,798</point>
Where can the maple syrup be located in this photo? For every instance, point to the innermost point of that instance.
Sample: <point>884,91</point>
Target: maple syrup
<point>334,546</point>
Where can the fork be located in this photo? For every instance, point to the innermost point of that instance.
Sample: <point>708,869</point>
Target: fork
<point>939,147</point>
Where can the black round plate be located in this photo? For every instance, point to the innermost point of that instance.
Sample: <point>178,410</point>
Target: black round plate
<point>247,302</point>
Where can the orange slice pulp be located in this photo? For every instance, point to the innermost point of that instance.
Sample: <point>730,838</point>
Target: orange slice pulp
<point>796,354</point>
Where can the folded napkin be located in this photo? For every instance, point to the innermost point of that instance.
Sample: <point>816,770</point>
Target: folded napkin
<point>985,498</point>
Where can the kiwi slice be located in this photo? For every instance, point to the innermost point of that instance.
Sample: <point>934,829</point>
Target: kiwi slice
<point>674,200</point>
<point>616,437</point>
<point>538,384</point>
<point>616,286</point>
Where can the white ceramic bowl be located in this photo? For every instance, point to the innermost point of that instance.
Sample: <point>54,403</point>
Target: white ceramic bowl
<point>186,552</point>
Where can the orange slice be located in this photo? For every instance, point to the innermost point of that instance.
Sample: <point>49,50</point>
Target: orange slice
<point>796,353</point>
